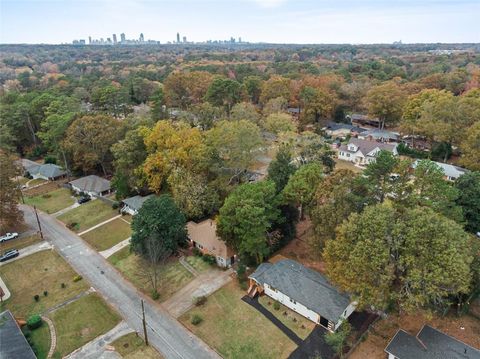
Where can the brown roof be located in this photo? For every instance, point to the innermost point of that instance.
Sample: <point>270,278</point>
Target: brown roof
<point>205,234</point>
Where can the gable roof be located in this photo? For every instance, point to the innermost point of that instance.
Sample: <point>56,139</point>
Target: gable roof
<point>380,134</point>
<point>13,343</point>
<point>448,169</point>
<point>136,202</point>
<point>334,126</point>
<point>205,234</point>
<point>49,170</point>
<point>91,183</point>
<point>366,146</point>
<point>305,286</point>
<point>429,343</point>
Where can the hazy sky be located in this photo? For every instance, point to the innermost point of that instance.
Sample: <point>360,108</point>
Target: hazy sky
<point>279,21</point>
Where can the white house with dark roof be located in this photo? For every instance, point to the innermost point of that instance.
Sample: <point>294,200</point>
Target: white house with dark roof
<point>303,290</point>
<point>429,343</point>
<point>92,185</point>
<point>363,152</point>
<point>451,172</point>
<point>133,204</point>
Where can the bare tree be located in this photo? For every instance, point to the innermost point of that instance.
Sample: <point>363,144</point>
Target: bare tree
<point>156,254</point>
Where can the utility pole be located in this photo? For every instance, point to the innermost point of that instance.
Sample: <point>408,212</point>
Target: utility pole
<point>144,324</point>
<point>38,221</point>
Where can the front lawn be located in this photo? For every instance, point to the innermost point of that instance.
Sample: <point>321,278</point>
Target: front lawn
<point>88,215</point>
<point>40,338</point>
<point>235,329</point>
<point>198,263</point>
<point>32,275</point>
<point>36,182</point>
<point>131,346</point>
<point>294,321</point>
<point>20,243</point>
<point>51,202</point>
<point>172,277</point>
<point>81,321</point>
<point>108,235</point>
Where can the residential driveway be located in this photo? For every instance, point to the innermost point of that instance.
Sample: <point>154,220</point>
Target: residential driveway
<point>34,248</point>
<point>165,334</point>
<point>110,251</point>
<point>98,347</point>
<point>203,285</point>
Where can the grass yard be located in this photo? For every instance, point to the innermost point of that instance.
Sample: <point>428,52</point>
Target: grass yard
<point>41,340</point>
<point>235,329</point>
<point>345,165</point>
<point>88,215</point>
<point>81,321</point>
<point>198,263</point>
<point>131,346</point>
<point>36,181</point>
<point>39,272</point>
<point>297,323</point>
<point>108,235</point>
<point>173,277</point>
<point>51,202</point>
<point>20,243</point>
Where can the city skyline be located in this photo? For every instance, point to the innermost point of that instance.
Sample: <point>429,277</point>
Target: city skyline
<point>272,21</point>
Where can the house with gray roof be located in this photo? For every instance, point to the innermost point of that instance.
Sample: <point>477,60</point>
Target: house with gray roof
<point>342,130</point>
<point>363,152</point>
<point>47,171</point>
<point>303,290</point>
<point>92,185</point>
<point>13,344</point>
<point>379,135</point>
<point>451,172</point>
<point>429,343</point>
<point>131,205</point>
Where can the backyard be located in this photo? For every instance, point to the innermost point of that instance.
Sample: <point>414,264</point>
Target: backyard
<point>235,329</point>
<point>109,234</point>
<point>35,274</point>
<point>88,215</point>
<point>131,346</point>
<point>51,202</point>
<point>173,276</point>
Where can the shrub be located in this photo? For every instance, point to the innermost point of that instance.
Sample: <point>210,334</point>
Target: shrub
<point>77,278</point>
<point>337,340</point>
<point>208,258</point>
<point>243,285</point>
<point>197,252</point>
<point>154,294</point>
<point>34,322</point>
<point>72,225</point>
<point>46,195</point>
<point>276,305</point>
<point>196,319</point>
<point>45,293</point>
<point>199,300</point>
<point>115,205</point>
<point>36,297</point>
<point>50,159</point>
<point>63,285</point>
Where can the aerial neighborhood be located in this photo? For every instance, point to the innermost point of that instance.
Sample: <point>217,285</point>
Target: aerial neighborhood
<point>247,201</point>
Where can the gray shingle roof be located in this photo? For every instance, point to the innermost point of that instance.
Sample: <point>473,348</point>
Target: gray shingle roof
<point>429,344</point>
<point>92,183</point>
<point>13,344</point>
<point>381,134</point>
<point>50,170</point>
<point>366,146</point>
<point>449,170</point>
<point>305,286</point>
<point>136,202</point>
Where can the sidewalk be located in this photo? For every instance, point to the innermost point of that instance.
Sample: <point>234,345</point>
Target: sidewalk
<point>99,225</point>
<point>111,251</point>
<point>62,211</point>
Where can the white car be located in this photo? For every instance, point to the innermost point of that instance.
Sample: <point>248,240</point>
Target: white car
<point>8,236</point>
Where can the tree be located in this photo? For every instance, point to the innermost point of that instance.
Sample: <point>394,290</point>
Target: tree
<point>468,187</point>
<point>338,339</point>
<point>302,185</point>
<point>156,254</point>
<point>281,168</point>
<point>234,145</point>
<point>111,99</point>
<point>246,217</point>
<point>379,172</point>
<point>205,115</point>
<point>224,92</point>
<point>161,220</point>
<point>471,148</point>
<point>170,146</point>
<point>310,147</point>
<point>89,139</point>
<point>253,86</point>
<point>275,105</point>
<point>386,102</point>
<point>245,111</point>
<point>317,104</point>
<point>183,89</point>
<point>279,122</point>
<point>274,87</point>
<point>10,215</point>
<point>157,99</point>
<point>415,258</point>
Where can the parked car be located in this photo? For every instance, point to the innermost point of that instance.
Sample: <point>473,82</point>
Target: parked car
<point>83,199</point>
<point>8,236</point>
<point>12,253</point>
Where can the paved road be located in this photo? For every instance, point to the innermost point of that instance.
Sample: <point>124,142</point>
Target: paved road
<point>170,338</point>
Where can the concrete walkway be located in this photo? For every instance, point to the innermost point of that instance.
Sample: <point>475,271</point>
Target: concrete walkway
<point>98,347</point>
<point>203,285</point>
<point>68,301</point>
<point>111,251</point>
<point>187,266</point>
<point>34,248</point>
<point>69,208</point>
<point>53,336</point>
<point>6,292</point>
<point>99,225</point>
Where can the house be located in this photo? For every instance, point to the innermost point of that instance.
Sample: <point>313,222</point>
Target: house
<point>451,172</point>
<point>47,171</point>
<point>429,343</point>
<point>203,236</point>
<point>92,185</point>
<point>13,344</point>
<point>342,130</point>
<point>303,290</point>
<point>133,204</point>
<point>363,152</point>
<point>379,135</point>
<point>363,120</point>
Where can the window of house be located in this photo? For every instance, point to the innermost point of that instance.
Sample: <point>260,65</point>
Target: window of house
<point>291,300</point>
<point>348,154</point>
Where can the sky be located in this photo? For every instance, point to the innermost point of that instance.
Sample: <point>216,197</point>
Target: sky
<point>273,21</point>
